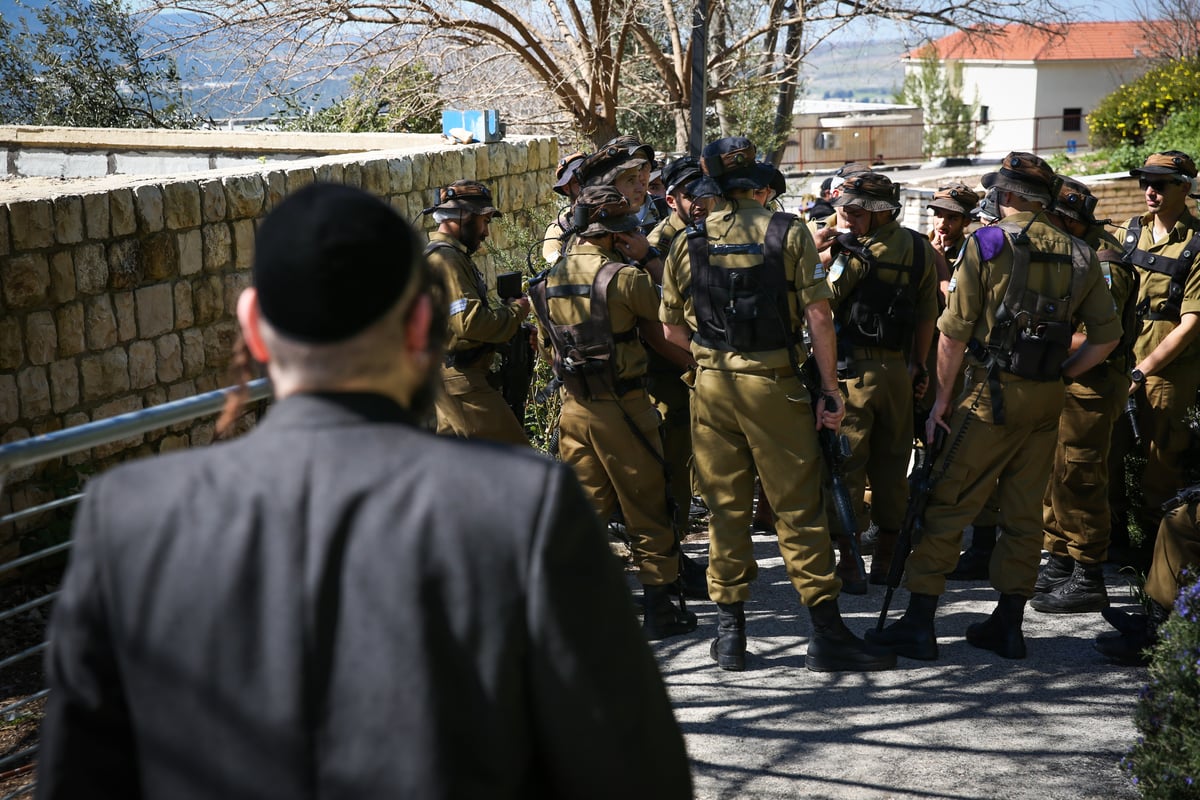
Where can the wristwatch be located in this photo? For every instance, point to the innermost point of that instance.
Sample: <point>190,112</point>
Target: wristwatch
<point>1137,376</point>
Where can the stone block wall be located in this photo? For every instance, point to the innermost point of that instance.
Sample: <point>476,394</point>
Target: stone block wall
<point>124,297</point>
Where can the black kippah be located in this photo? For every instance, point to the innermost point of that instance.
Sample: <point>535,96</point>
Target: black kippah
<point>329,261</point>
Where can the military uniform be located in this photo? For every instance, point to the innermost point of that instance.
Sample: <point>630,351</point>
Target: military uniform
<point>751,413</point>
<point>469,406</point>
<point>1075,512</point>
<point>1172,389</point>
<point>879,398</point>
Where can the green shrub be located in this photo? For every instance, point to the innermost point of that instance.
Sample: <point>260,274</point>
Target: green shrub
<point>1137,109</point>
<point>1165,762</point>
<point>1180,132</point>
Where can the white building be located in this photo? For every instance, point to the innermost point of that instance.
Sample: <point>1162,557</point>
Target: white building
<point>1035,87</point>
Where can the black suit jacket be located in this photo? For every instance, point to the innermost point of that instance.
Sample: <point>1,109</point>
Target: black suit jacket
<point>339,605</point>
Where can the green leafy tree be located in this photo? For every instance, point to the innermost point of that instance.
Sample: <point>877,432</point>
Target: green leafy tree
<point>937,88</point>
<point>380,100</point>
<point>81,65</point>
<point>1136,110</point>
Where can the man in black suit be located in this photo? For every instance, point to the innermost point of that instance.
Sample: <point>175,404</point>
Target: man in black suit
<point>339,604</point>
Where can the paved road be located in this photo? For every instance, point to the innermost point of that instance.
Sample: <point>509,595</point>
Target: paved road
<point>971,725</point>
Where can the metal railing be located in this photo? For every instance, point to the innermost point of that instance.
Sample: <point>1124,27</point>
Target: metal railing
<point>38,449</point>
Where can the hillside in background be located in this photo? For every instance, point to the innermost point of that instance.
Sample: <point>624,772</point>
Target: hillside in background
<point>865,71</point>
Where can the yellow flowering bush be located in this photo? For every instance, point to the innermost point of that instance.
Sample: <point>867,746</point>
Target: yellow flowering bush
<point>1136,110</point>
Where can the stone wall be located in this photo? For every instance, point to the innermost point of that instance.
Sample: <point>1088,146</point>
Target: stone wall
<point>119,298</point>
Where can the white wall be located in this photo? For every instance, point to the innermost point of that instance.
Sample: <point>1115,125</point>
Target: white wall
<point>1010,93</point>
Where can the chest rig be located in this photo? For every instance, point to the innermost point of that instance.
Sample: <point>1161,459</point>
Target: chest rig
<point>1176,268</point>
<point>584,352</point>
<point>466,356</point>
<point>743,309</point>
<point>881,313</point>
<point>1110,262</point>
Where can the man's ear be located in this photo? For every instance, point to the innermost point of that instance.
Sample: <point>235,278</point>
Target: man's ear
<point>672,203</point>
<point>417,326</point>
<point>248,316</point>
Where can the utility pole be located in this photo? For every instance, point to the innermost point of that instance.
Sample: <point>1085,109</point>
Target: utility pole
<point>699,77</point>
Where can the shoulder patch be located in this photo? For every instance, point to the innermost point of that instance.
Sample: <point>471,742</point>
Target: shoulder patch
<point>819,272</point>
<point>991,241</point>
<point>458,306</point>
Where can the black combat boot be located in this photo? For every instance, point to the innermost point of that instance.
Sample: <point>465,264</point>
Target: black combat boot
<point>911,636</point>
<point>847,569</point>
<point>866,542</point>
<point>973,563</point>
<point>729,648</point>
<point>662,618</point>
<point>833,648</point>
<point>1001,632</point>
<point>1056,571</point>
<point>1081,593</point>
<point>885,551</point>
<point>1135,633</point>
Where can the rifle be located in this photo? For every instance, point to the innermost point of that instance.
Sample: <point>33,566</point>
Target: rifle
<point>516,370</point>
<point>920,485</point>
<point>1131,414</point>
<point>835,449</point>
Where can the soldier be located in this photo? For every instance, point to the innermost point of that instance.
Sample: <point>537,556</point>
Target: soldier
<point>884,283</point>
<point>737,291</point>
<point>1075,513</point>
<point>591,306</point>
<point>566,183</point>
<point>470,407</point>
<point>1163,245</point>
<point>823,207</point>
<point>1011,303</point>
<point>952,206</point>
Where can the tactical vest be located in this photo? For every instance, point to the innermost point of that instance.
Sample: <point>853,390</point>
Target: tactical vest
<point>1176,268</point>
<point>742,309</point>
<point>584,353</point>
<point>1032,334</point>
<point>466,356</point>
<point>881,314</point>
<point>1122,356</point>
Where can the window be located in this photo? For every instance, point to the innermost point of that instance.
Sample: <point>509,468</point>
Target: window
<point>828,141</point>
<point>1072,119</point>
<point>983,115</point>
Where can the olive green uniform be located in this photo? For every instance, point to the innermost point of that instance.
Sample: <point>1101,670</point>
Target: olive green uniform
<point>469,406</point>
<point>751,412</point>
<point>879,400</point>
<point>1172,389</point>
<point>1177,547</point>
<point>1075,510</point>
<point>1012,459</point>
<point>615,465</point>
<point>670,395</point>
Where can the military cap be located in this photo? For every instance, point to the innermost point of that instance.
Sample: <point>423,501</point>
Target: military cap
<point>329,261</point>
<point>603,209</point>
<point>771,177</point>
<point>681,172</point>
<point>957,198</point>
<point>1076,201</point>
<point>566,171</point>
<point>870,191</point>
<point>1170,162</point>
<point>1025,174</point>
<point>616,156</point>
<point>825,184</point>
<point>464,195</point>
<point>730,161</point>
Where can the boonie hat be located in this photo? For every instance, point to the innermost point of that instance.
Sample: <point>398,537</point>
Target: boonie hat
<point>771,177</point>
<point>680,172</point>
<point>1170,162</point>
<point>566,171</point>
<point>606,211</point>
<point>957,198</point>
<point>1025,174</point>
<point>870,191</point>
<point>730,161</point>
<point>1076,201</point>
<point>616,156</point>
<point>469,196</point>
<point>329,261</point>
<point>845,171</point>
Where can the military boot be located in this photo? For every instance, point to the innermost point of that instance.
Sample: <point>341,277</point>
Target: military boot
<point>885,551</point>
<point>662,618</point>
<point>913,635</point>
<point>847,568</point>
<point>1135,633</point>
<point>866,542</point>
<point>833,648</point>
<point>729,648</point>
<point>973,563</point>
<point>1056,571</point>
<point>1001,632</point>
<point>1081,593</point>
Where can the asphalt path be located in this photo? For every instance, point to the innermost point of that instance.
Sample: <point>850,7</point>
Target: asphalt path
<point>970,725</point>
